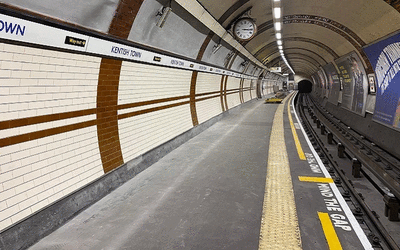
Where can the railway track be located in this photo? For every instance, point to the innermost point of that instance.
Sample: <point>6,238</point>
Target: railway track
<point>379,168</point>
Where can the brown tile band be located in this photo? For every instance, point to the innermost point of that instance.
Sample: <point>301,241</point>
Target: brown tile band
<point>45,118</point>
<point>193,111</point>
<point>149,110</point>
<point>100,121</point>
<point>221,93</point>
<point>107,120</point>
<point>241,91</point>
<point>193,82</point>
<point>44,133</point>
<point>107,89</point>
<point>199,57</point>
<point>74,114</point>
<point>225,99</point>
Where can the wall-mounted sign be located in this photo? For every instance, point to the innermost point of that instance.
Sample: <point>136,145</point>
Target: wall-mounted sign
<point>75,41</point>
<point>333,83</point>
<point>371,83</point>
<point>355,83</point>
<point>276,69</point>
<point>33,33</point>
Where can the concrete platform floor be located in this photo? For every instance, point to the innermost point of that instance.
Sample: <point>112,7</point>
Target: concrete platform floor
<point>207,194</point>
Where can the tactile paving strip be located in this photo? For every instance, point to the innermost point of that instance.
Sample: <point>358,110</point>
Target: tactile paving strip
<point>279,224</point>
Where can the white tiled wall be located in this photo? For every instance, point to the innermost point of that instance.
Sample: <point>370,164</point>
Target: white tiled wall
<point>139,83</point>
<point>37,82</point>
<point>141,133</point>
<point>233,99</point>
<point>36,173</point>
<point>253,85</point>
<point>207,83</point>
<point>209,108</point>
<point>246,93</point>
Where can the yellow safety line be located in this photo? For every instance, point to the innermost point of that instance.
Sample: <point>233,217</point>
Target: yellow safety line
<point>329,231</point>
<point>279,223</point>
<point>295,137</point>
<point>315,179</point>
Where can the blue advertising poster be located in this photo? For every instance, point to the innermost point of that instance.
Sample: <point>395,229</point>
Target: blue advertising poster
<point>333,83</point>
<point>384,57</point>
<point>355,83</point>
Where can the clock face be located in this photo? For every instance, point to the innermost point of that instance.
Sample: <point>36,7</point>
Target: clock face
<point>245,29</point>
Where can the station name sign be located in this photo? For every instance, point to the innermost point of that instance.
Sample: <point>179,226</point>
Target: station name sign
<point>21,30</point>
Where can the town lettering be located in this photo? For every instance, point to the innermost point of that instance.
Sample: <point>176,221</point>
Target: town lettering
<point>11,28</point>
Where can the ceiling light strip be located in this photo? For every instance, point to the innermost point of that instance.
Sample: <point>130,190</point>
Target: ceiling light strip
<point>277,18</point>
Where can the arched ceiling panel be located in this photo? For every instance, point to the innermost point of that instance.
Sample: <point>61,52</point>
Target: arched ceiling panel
<point>331,39</point>
<point>361,16</point>
<point>321,52</point>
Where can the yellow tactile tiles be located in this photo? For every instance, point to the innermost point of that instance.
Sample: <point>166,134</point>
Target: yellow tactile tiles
<point>279,224</point>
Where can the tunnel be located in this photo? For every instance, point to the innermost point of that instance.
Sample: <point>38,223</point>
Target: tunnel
<point>305,86</point>
<point>94,93</point>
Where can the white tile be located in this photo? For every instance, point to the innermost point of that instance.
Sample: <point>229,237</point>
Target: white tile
<point>38,74</point>
<point>35,191</point>
<point>12,201</point>
<point>27,203</point>
<point>21,171</point>
<point>7,213</point>
<point>46,194</point>
<point>29,177</point>
<point>13,183</point>
<point>22,214</point>
<point>42,179</point>
<point>39,205</point>
<point>5,223</point>
<point>24,187</point>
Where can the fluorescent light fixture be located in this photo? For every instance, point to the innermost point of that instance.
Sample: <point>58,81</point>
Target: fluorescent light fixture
<point>277,12</point>
<point>279,42</point>
<point>280,47</point>
<point>277,0</point>
<point>278,36</point>
<point>278,26</point>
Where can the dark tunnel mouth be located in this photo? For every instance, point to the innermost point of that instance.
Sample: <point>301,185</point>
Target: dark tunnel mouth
<point>305,86</point>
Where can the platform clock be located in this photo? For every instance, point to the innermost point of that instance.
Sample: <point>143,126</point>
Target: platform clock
<point>244,29</point>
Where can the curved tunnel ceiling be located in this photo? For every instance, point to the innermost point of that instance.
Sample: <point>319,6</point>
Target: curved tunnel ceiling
<point>314,32</point>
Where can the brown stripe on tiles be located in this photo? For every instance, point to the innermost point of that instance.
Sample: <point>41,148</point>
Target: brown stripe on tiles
<point>145,111</point>
<point>44,133</point>
<point>193,111</point>
<point>222,93</point>
<point>45,118</point>
<point>111,111</point>
<point>107,89</point>
<point>225,99</point>
<point>107,119</point>
<point>241,97</point>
